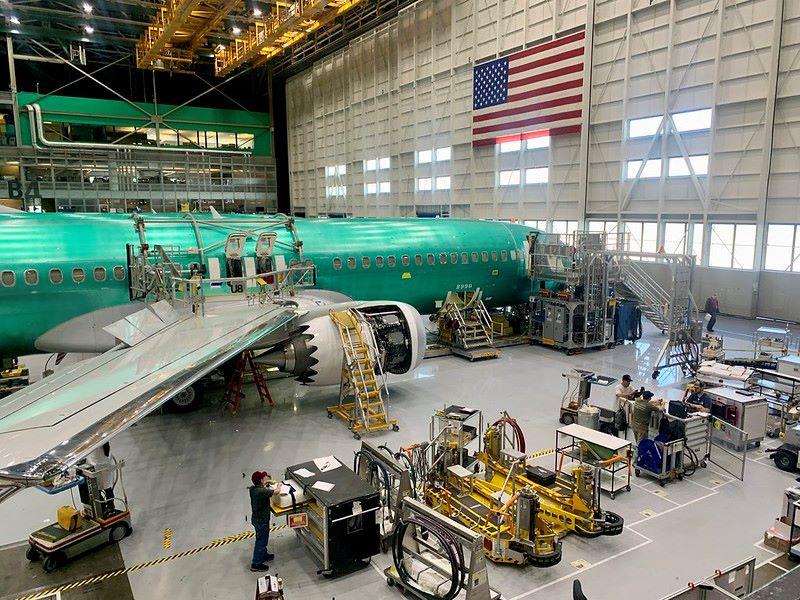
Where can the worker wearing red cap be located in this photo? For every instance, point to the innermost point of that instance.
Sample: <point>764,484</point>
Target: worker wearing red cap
<point>260,494</point>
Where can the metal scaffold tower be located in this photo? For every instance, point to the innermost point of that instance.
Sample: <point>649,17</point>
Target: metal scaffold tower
<point>363,379</point>
<point>465,325</point>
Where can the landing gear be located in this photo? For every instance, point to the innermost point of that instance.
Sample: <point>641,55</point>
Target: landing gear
<point>187,400</point>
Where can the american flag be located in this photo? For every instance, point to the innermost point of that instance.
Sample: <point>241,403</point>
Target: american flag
<point>534,92</point>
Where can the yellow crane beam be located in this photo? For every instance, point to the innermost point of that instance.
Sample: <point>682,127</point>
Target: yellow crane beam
<point>167,22</point>
<point>284,27</point>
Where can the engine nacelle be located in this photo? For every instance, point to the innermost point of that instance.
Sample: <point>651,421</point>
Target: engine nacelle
<point>315,355</point>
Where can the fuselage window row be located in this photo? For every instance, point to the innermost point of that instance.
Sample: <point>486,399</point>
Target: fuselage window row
<point>56,276</point>
<point>390,261</point>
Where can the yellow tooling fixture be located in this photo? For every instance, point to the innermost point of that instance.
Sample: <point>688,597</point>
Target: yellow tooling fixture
<point>360,368</point>
<point>49,592</point>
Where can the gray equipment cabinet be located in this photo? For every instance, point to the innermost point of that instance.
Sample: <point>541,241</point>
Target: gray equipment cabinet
<point>743,409</point>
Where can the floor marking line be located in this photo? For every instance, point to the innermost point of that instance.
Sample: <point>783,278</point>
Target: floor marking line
<point>245,535</point>
<point>669,510</point>
<point>652,492</point>
<point>573,574</point>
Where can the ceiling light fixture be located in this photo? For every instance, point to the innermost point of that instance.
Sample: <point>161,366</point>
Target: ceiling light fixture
<point>257,12</point>
<point>87,8</point>
<point>236,31</point>
<point>88,29</point>
<point>13,20</point>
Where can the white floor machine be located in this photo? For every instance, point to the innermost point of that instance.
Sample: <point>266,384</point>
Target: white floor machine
<point>105,518</point>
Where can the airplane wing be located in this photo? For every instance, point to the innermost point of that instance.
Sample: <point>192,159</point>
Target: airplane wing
<point>51,425</point>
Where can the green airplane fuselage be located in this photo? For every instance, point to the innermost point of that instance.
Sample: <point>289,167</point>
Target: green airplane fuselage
<point>54,267</point>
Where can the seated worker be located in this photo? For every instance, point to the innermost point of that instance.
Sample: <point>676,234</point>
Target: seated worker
<point>696,398</point>
<point>643,407</point>
<point>624,392</point>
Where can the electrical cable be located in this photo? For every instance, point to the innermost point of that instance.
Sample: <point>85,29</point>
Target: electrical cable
<point>519,437</point>
<point>450,547</point>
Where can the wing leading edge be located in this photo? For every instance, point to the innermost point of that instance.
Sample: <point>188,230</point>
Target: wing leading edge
<point>57,421</point>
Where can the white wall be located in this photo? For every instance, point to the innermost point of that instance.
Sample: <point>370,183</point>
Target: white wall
<point>407,86</point>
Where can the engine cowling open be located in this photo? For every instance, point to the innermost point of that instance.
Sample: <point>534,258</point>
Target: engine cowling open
<point>315,354</point>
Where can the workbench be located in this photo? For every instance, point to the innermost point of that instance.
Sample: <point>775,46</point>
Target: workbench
<point>606,452</point>
<point>341,524</point>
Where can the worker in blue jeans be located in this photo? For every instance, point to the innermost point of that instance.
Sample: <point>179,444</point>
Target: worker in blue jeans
<point>260,494</point>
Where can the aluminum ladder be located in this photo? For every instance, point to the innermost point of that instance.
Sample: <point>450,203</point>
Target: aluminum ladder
<point>362,380</point>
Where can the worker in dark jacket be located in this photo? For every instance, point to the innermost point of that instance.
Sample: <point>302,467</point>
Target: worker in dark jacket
<point>712,309</point>
<point>260,494</point>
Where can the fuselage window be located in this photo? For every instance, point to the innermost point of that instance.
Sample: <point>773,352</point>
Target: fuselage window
<point>406,260</point>
<point>119,273</point>
<point>379,261</point>
<point>454,258</point>
<point>464,258</point>
<point>418,259</point>
<point>503,255</point>
<point>443,258</point>
<point>31,276</point>
<point>337,263</point>
<point>56,276</point>
<point>494,255</point>
<point>365,262</point>
<point>78,275</point>
<point>485,256</point>
<point>390,261</point>
<point>351,263</point>
<point>8,278</point>
<point>431,259</point>
<point>513,255</point>
<point>474,257</point>
<point>100,273</point>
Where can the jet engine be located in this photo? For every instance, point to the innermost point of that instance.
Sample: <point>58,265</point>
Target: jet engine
<point>315,354</point>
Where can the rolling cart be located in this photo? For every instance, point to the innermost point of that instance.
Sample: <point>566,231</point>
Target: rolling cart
<point>102,521</point>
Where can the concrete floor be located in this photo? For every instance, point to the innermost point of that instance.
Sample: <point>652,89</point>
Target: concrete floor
<point>187,473</point>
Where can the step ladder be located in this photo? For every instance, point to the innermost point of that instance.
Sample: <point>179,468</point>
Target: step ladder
<point>233,387</point>
<point>363,380</point>
<point>465,325</point>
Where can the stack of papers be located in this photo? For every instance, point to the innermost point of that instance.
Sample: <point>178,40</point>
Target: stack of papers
<point>323,486</point>
<point>327,463</point>
<point>303,473</point>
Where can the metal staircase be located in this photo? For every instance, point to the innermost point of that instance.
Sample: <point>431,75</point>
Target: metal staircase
<point>362,380</point>
<point>465,325</point>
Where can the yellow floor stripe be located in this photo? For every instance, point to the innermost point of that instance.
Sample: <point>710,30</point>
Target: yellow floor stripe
<point>167,538</point>
<point>245,535</point>
<point>541,453</point>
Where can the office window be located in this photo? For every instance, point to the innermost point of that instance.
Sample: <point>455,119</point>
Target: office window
<point>351,263</point>
<point>337,264</point>
<point>512,146</point>
<point>697,242</point>
<point>648,126</point>
<point>424,157</point>
<point>464,258</point>
<point>385,162</point>
<point>370,165</point>
<point>78,275</point>
<point>384,187</point>
<point>405,260</point>
<point>442,258</point>
<point>542,141</point>
<point>509,178</point>
<point>678,166</point>
<point>365,262</point>
<point>443,183</point>
<point>119,273</point>
<point>443,153</point>
<point>474,257</point>
<point>371,188</point>
<point>454,258</point>
<point>418,260</point>
<point>783,247</point>
<point>675,238</point>
<point>536,175</point>
<point>642,236</point>
<point>652,168</point>
<point>732,246</point>
<point>31,276</point>
<point>390,261</point>
<point>692,120</point>
<point>424,184</point>
<point>8,279</point>
<point>56,276</point>
<point>379,262</point>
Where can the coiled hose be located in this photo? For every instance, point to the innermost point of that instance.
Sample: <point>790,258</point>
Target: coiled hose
<point>451,548</point>
<point>519,437</point>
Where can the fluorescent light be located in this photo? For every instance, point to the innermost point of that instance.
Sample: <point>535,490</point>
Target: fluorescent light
<point>85,39</point>
<point>236,31</point>
<point>13,20</point>
<point>87,8</point>
<point>88,29</point>
<point>15,31</point>
<point>256,12</point>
